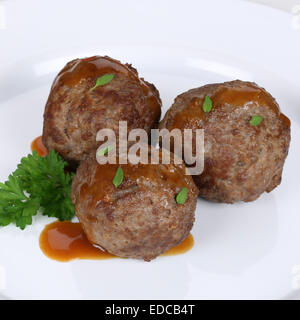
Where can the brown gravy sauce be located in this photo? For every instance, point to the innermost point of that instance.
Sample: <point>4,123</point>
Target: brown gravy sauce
<point>94,67</point>
<point>238,97</point>
<point>100,188</point>
<point>38,146</point>
<point>65,241</point>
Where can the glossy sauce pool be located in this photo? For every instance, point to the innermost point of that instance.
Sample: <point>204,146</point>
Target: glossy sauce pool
<point>65,241</point>
<point>38,146</point>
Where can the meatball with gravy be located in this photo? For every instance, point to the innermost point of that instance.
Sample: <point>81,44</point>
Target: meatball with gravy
<point>246,138</point>
<point>92,94</point>
<point>141,217</point>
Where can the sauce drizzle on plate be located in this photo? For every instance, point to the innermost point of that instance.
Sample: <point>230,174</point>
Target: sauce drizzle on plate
<point>65,241</point>
<point>39,147</point>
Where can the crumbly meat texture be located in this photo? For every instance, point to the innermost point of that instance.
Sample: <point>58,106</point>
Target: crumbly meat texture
<point>74,113</point>
<point>241,160</point>
<point>141,218</point>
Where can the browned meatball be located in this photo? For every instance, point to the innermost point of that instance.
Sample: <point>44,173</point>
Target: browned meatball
<point>75,112</point>
<point>139,219</point>
<point>241,160</point>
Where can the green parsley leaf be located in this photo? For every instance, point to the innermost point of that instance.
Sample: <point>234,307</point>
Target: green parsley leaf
<point>15,206</point>
<point>104,151</point>
<point>182,196</point>
<point>118,178</point>
<point>207,104</point>
<point>38,183</point>
<point>103,80</point>
<point>256,120</point>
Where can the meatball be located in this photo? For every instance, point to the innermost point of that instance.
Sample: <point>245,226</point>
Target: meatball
<point>141,217</point>
<point>242,159</point>
<point>77,109</point>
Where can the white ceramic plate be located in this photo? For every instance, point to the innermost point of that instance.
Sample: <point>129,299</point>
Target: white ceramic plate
<point>242,250</point>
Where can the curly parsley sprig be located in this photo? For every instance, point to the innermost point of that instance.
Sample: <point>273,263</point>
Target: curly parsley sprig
<point>38,183</point>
